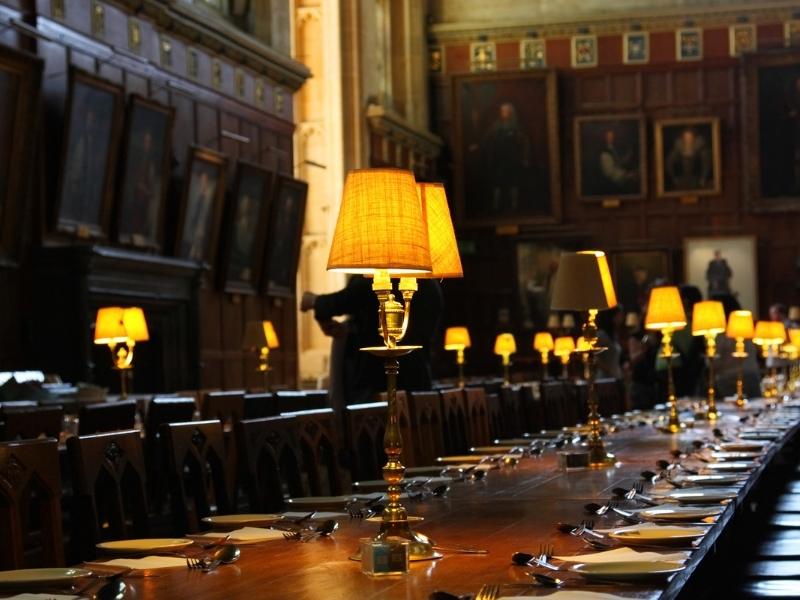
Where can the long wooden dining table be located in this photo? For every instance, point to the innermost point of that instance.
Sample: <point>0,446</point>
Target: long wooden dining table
<point>511,509</point>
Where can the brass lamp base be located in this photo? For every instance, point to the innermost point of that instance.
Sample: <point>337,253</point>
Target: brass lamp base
<point>601,460</point>
<point>420,547</point>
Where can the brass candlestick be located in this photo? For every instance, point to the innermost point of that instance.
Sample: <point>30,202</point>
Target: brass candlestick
<point>740,354</point>
<point>667,353</point>
<point>460,363</point>
<point>545,361</point>
<point>711,399</point>
<point>598,457</point>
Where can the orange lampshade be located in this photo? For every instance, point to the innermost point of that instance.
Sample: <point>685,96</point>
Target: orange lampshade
<point>456,338</point>
<point>794,313</point>
<point>740,325</point>
<point>564,345</point>
<point>581,345</point>
<point>115,324</point>
<point>762,334</point>
<point>445,260</point>
<point>260,334</point>
<point>505,344</point>
<point>583,282</point>
<point>794,336</point>
<point>381,225</point>
<point>553,322</point>
<point>542,341</point>
<point>665,309</point>
<point>568,322</point>
<point>708,318</point>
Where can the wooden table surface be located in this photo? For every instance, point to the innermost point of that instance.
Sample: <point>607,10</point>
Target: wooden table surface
<point>512,509</point>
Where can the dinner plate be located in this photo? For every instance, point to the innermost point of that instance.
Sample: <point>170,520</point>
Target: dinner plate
<point>628,571</point>
<point>702,495</point>
<point>751,446</point>
<point>253,520</point>
<point>760,435</point>
<point>371,485</point>
<point>24,578</point>
<point>679,513</point>
<point>662,535</point>
<point>495,449</point>
<point>738,455</point>
<point>711,479</point>
<point>330,502</point>
<point>743,465</point>
<point>145,545</point>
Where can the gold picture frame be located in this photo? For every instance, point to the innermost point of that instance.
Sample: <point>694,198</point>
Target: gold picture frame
<point>688,157</point>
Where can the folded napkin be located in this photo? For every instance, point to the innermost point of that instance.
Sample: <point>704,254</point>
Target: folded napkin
<point>27,596</point>
<point>319,515</point>
<point>147,562</point>
<point>625,554</point>
<point>245,534</point>
<point>568,595</point>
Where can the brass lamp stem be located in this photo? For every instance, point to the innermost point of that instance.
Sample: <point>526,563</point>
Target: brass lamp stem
<point>394,470</point>
<point>740,354</point>
<point>506,365</point>
<point>263,365</point>
<point>122,359</point>
<point>674,424</point>
<point>460,363</point>
<point>545,361</point>
<point>598,457</point>
<point>711,351</point>
<point>564,366</point>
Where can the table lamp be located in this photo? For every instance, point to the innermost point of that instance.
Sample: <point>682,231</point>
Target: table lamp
<point>794,357</point>
<point>390,227</point>
<point>632,320</point>
<point>665,314</point>
<point>553,322</point>
<point>740,328</point>
<point>563,348</point>
<point>708,320</point>
<point>568,322</point>
<point>457,338</point>
<point>543,344</point>
<point>120,328</point>
<point>778,337</point>
<point>260,337</point>
<point>583,283</point>
<point>794,314</point>
<point>769,335</point>
<point>505,345</point>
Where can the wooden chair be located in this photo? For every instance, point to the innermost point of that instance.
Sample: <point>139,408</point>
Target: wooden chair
<point>454,416</point>
<point>477,417</point>
<point>296,401</point>
<point>426,425</point>
<point>555,399</point>
<point>196,469</point>
<point>365,425</point>
<point>497,421</point>
<point>30,503</point>
<point>106,416</point>
<point>228,407</point>
<point>260,405</point>
<point>32,422</point>
<point>513,414</point>
<point>270,462</point>
<point>109,489</point>
<point>317,436</point>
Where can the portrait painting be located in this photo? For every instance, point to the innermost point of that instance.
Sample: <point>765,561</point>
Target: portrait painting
<point>248,210</point>
<point>687,157</point>
<point>635,272</point>
<point>742,38</point>
<point>791,33</point>
<point>584,51</point>
<point>772,131</point>
<point>145,173</point>
<point>689,44</point>
<point>610,157</point>
<point>506,148</point>
<point>636,47</point>
<point>284,236</point>
<point>723,265</point>
<point>537,263</point>
<point>482,56</point>
<point>20,83</point>
<point>532,54</point>
<point>93,130</point>
<point>201,207</point>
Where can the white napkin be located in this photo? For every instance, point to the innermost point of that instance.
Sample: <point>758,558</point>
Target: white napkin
<point>625,554</point>
<point>147,562</point>
<point>319,515</point>
<point>568,595</point>
<point>245,534</point>
<point>27,596</point>
<point>478,467</point>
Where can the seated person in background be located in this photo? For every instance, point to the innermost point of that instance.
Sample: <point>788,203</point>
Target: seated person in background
<point>364,375</point>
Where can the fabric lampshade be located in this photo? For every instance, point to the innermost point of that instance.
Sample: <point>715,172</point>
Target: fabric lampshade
<point>708,318</point>
<point>740,325</point>
<point>794,313</point>
<point>456,338</point>
<point>381,225</point>
<point>505,344</point>
<point>777,332</point>
<point>115,324</point>
<point>632,320</point>
<point>553,322</point>
<point>135,324</point>
<point>445,260</point>
<point>564,345</point>
<point>568,322</point>
<point>581,345</point>
<point>260,334</point>
<point>762,334</point>
<point>583,282</point>
<point>542,341</point>
<point>794,337</point>
<point>665,309</point>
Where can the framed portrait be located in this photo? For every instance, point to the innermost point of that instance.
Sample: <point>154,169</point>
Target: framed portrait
<point>482,56</point>
<point>245,229</point>
<point>610,157</point>
<point>636,48</point>
<point>145,174</point>
<point>201,205</point>
<point>584,51</point>
<point>688,157</point>
<point>634,272</point>
<point>91,142</point>
<point>742,38</point>
<point>537,263</point>
<point>723,265</point>
<point>689,44</point>
<point>506,149</point>
<point>284,236</point>
<point>772,131</point>
<point>532,54</point>
<point>20,83</point>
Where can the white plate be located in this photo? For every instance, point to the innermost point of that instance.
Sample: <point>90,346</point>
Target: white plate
<point>628,571</point>
<point>730,455</point>
<point>244,519</point>
<point>713,479</point>
<point>144,545</point>
<point>26,578</point>
<point>464,458</point>
<point>703,495</point>
<point>679,513</point>
<point>496,449</point>
<point>662,535</point>
<point>753,446</point>
<point>760,435</point>
<point>743,465</point>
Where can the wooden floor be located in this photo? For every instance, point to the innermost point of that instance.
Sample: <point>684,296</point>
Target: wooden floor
<point>513,509</point>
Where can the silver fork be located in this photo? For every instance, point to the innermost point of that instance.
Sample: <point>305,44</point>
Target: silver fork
<point>195,563</point>
<point>490,591</point>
